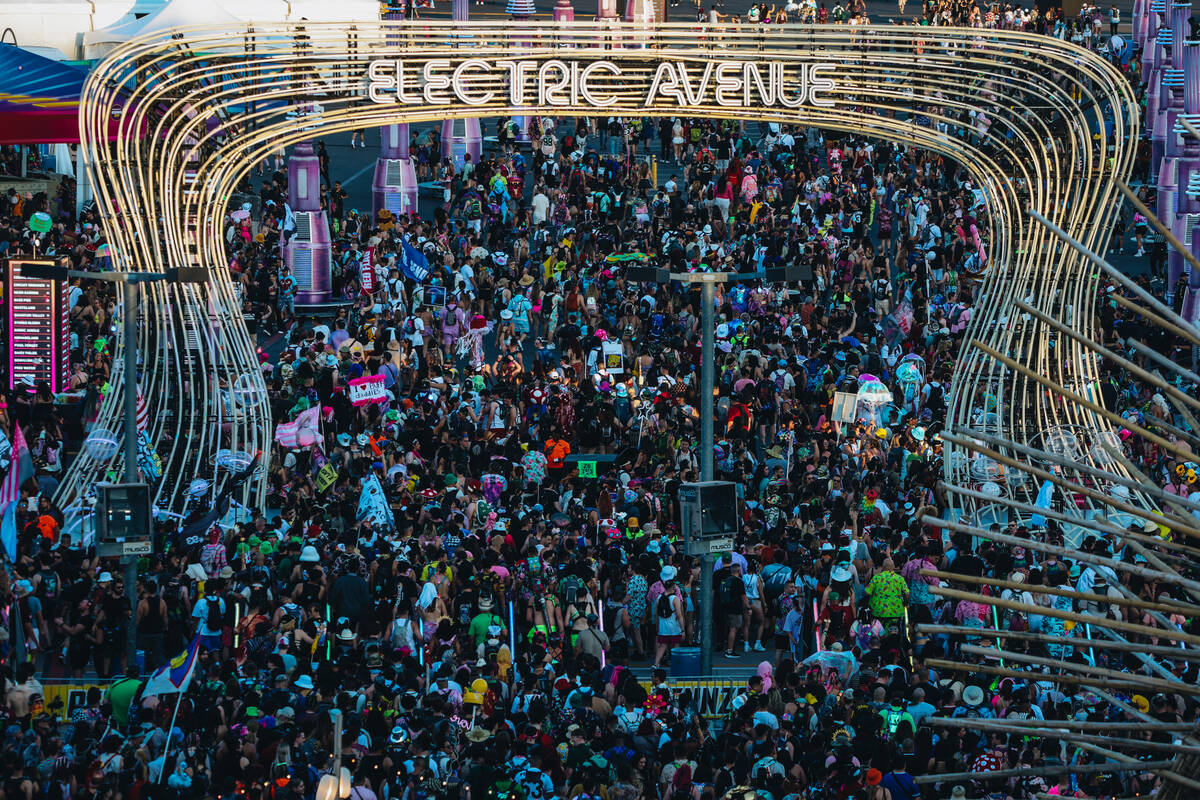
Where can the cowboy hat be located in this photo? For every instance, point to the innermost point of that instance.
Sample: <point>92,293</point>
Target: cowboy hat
<point>478,735</point>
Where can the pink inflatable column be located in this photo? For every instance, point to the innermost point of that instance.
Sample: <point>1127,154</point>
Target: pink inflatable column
<point>462,137</point>
<point>307,253</point>
<point>395,184</point>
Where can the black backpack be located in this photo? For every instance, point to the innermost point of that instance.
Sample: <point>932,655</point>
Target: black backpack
<point>665,608</point>
<point>214,618</point>
<point>725,593</point>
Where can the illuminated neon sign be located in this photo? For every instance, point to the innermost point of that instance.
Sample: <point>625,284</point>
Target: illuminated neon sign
<point>557,82</point>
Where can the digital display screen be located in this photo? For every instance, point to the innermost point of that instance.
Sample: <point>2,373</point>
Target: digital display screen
<point>39,337</point>
<point>126,509</point>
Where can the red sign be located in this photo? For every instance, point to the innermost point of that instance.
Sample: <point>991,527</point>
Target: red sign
<point>366,272</point>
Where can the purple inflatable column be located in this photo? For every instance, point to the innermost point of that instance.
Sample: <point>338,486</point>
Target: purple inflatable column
<point>564,11</point>
<point>1151,53</point>
<point>1170,101</point>
<point>1188,170</point>
<point>462,137</point>
<point>1158,97</point>
<point>1191,301</point>
<point>395,184</point>
<point>307,253</point>
<point>1170,104</point>
<point>1167,192</point>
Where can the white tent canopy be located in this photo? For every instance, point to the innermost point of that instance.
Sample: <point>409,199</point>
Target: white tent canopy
<point>59,23</point>
<point>181,14</point>
<point>185,13</point>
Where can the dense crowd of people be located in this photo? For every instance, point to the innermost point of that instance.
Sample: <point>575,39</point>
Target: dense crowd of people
<point>491,619</point>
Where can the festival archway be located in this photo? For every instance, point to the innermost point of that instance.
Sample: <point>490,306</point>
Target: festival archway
<point>1038,122</point>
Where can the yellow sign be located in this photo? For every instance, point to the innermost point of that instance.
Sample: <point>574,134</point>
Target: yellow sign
<point>63,699</point>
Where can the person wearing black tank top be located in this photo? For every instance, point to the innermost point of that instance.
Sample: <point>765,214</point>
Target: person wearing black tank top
<point>151,624</point>
<point>18,786</point>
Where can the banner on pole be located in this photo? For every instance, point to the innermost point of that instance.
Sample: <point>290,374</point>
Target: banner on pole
<point>366,272</point>
<point>372,504</point>
<point>413,263</point>
<point>326,477</point>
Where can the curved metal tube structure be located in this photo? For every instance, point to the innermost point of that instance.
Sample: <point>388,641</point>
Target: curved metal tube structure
<point>1054,130</point>
<point>196,112</point>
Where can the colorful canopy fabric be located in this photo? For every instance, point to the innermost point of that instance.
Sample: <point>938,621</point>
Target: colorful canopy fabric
<point>39,98</point>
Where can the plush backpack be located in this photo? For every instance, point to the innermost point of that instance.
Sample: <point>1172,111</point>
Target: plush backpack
<point>664,607</point>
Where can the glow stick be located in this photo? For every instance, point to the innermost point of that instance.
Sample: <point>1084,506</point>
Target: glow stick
<point>996,623</point>
<point>512,632</point>
<point>600,605</point>
<point>816,625</point>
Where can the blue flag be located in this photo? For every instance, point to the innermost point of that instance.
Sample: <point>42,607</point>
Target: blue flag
<point>1045,495</point>
<point>413,263</point>
<point>8,530</point>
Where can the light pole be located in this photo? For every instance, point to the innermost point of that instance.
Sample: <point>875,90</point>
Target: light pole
<point>708,282</point>
<point>129,282</point>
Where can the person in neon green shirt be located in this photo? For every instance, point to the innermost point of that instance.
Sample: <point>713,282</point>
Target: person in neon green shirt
<point>887,593</point>
<point>486,618</point>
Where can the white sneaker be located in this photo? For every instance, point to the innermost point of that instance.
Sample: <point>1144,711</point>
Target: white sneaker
<point>747,650</point>
<point>1141,252</point>
<point>758,646</point>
